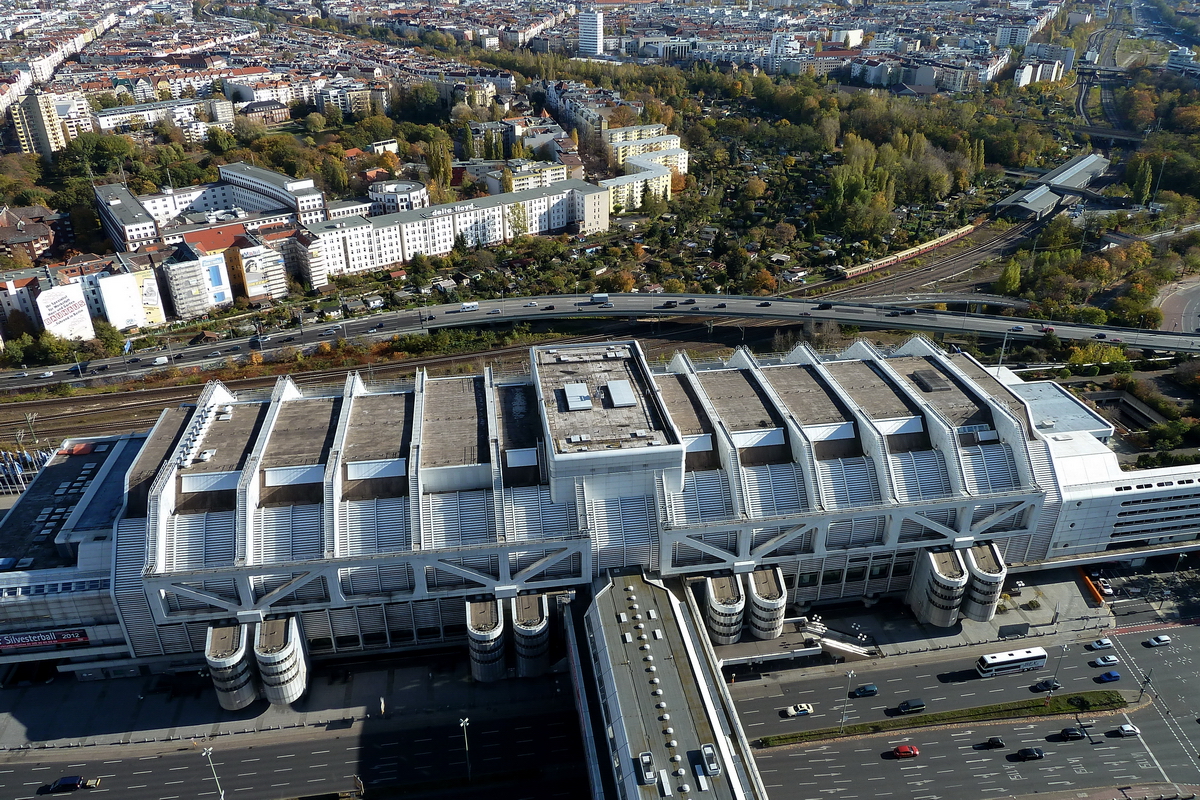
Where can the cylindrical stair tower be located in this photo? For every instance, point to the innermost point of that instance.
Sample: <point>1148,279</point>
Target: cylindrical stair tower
<point>227,651</point>
<point>485,634</point>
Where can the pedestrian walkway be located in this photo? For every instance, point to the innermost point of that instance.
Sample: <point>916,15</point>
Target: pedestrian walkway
<point>1146,791</point>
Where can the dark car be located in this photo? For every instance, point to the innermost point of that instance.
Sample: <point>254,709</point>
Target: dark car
<point>893,313</point>
<point>1100,336</point>
<point>1071,734</point>
<point>1048,685</point>
<point>180,356</point>
<point>866,690</point>
<point>691,301</point>
<point>908,312</point>
<point>69,783</point>
<point>290,339</point>
<point>544,308</point>
<point>994,743</point>
<point>233,349</point>
<point>102,368</point>
<point>1031,753</point>
<point>133,361</point>
<point>726,305</point>
<point>824,306</point>
<point>764,304</point>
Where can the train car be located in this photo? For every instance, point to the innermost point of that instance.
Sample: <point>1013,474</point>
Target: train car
<point>905,255</point>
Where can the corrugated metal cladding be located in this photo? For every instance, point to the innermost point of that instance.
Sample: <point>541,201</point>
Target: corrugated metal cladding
<point>578,397</point>
<point>290,476</point>
<point>622,394</point>
<point>382,468</point>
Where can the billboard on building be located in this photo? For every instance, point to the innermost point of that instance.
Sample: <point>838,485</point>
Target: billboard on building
<point>132,300</point>
<point>19,641</point>
<point>64,312</point>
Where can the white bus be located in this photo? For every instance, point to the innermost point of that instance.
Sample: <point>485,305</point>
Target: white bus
<point>1013,661</point>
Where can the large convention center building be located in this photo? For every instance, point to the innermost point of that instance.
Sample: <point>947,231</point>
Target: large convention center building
<point>260,529</point>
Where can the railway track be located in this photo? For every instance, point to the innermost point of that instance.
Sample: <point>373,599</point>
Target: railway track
<point>125,412</point>
<point>945,268</point>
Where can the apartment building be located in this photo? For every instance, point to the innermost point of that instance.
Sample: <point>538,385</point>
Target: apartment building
<point>44,123</point>
<point>197,281</point>
<point>525,175</point>
<point>356,244</point>
<point>177,112</point>
<point>261,189</point>
<point>591,33</point>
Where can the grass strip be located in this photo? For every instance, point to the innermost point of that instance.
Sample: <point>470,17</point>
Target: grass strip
<point>1105,700</point>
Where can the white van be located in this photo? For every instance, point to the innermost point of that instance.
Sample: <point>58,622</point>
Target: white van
<point>473,306</point>
<point>161,361</point>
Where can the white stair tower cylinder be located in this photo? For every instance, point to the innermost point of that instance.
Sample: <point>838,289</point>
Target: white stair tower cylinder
<point>768,601</point>
<point>530,615</point>
<point>988,573</point>
<point>485,635</point>
<point>938,585</point>
<point>227,651</point>
<point>725,609</point>
<point>282,660</point>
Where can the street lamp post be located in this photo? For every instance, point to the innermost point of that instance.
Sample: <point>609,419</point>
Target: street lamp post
<point>1060,658</point>
<point>207,752</point>
<point>1182,556</point>
<point>846,700</point>
<point>463,723</point>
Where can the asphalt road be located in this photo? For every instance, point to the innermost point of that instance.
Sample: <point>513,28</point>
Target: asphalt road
<point>952,763</point>
<point>623,305</point>
<point>329,762</point>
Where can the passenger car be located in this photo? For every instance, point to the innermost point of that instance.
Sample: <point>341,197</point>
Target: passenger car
<point>798,710</point>
<point>1101,644</point>
<point>1048,685</point>
<point>1106,661</point>
<point>906,751</point>
<point>1104,586</point>
<point>994,743</point>
<point>1031,754</point>
<point>1072,734</point>
<point>866,690</point>
<point>1109,677</point>
<point>1161,640</point>
<point>1129,730</point>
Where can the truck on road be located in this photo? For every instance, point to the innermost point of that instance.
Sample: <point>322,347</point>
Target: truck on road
<point>472,306</point>
<point>600,298</point>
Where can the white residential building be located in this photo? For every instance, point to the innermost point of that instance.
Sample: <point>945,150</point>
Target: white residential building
<point>198,282</point>
<point>591,33</point>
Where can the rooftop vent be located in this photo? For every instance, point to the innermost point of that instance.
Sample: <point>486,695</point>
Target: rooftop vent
<point>578,397</point>
<point>622,394</point>
<point>931,380</point>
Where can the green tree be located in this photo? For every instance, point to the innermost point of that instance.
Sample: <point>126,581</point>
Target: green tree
<point>1009,282</point>
<point>248,130</point>
<point>109,337</point>
<point>315,123</point>
<point>506,180</point>
<point>220,141</point>
<point>468,143</point>
<point>333,115</point>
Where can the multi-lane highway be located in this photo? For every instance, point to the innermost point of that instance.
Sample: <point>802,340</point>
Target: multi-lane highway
<point>952,761</point>
<point>623,305</point>
<point>535,757</point>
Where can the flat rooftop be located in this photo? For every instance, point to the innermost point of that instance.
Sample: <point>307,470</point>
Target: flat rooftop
<point>927,380</point>
<point>985,558</point>
<point>874,395</point>
<point>726,589</point>
<point>805,396</point>
<point>167,433</point>
<point>231,440</point>
<point>454,431</point>
<point>630,600</point>
<point>529,610</point>
<point>225,641</point>
<point>738,401</point>
<point>102,508</point>
<point>380,427</point>
<point>29,528</point>
<point>614,406</point>
<point>766,584</point>
<point>303,433</point>
<point>947,564</point>
<point>685,411</point>
<point>517,417</point>
<point>1056,410</point>
<point>272,635</point>
<point>986,382</point>
<point>483,615</point>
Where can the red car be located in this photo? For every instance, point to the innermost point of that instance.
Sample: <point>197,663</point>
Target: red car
<point>906,751</point>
